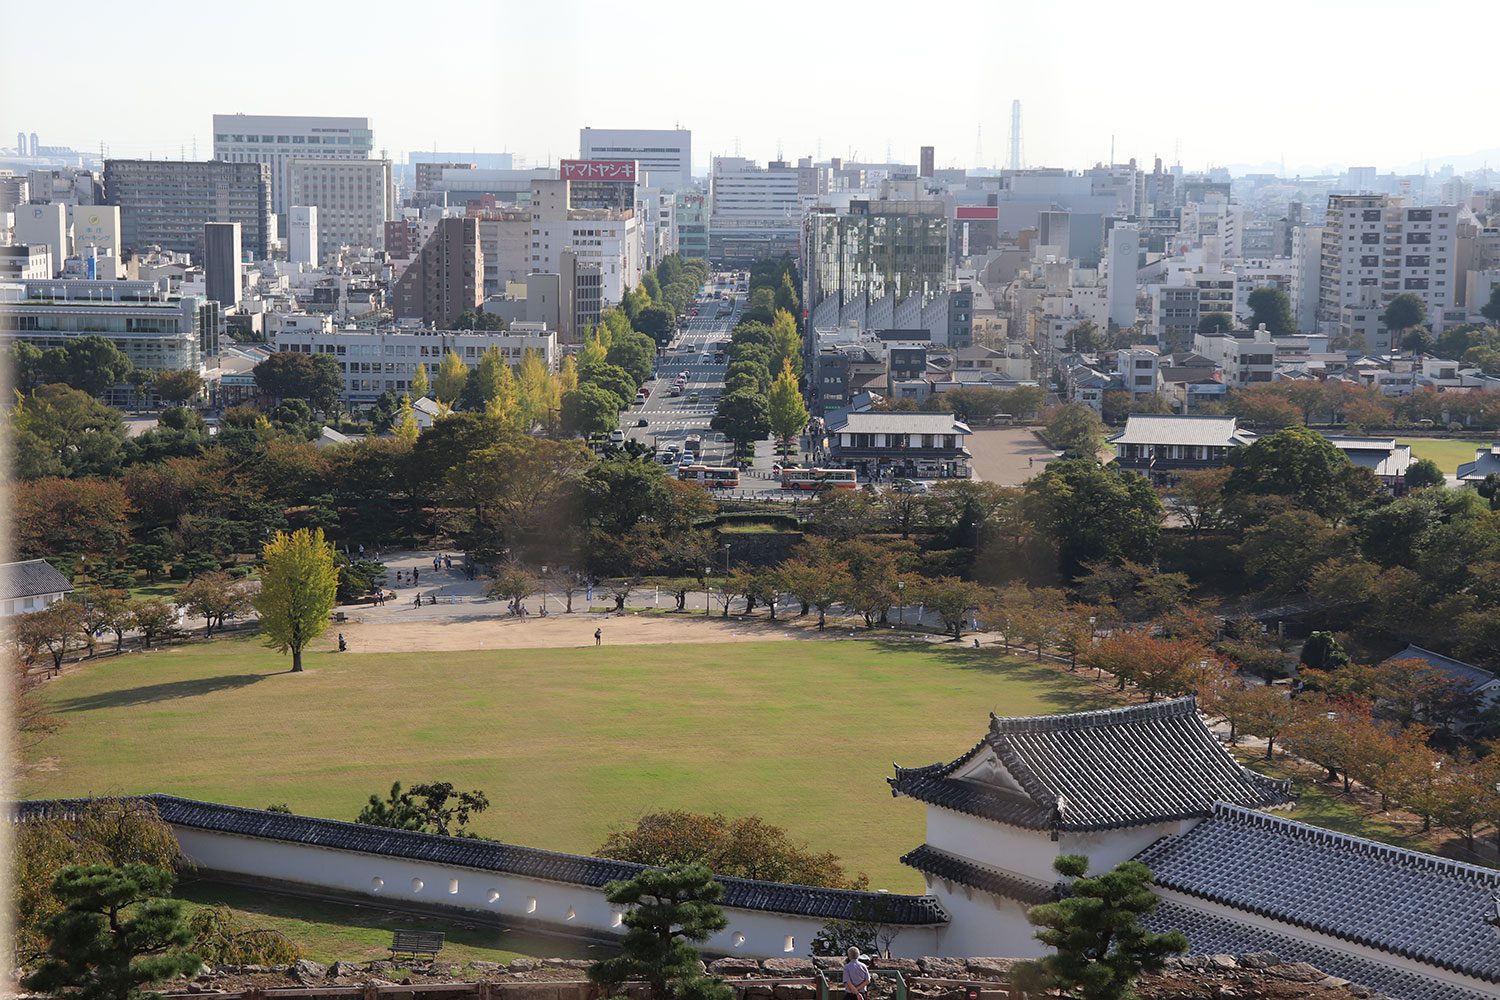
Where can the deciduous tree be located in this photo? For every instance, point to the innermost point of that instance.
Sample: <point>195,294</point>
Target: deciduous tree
<point>298,582</point>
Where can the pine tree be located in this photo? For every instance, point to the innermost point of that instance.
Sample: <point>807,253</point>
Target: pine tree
<point>298,581</point>
<point>788,411</point>
<point>420,385</point>
<point>1101,949</point>
<point>115,935</point>
<point>670,909</point>
<point>452,374</point>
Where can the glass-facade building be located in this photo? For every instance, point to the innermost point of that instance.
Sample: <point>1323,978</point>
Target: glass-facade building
<point>877,249</point>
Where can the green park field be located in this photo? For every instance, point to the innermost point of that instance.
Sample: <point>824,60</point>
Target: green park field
<point>568,743</point>
<point>1448,453</point>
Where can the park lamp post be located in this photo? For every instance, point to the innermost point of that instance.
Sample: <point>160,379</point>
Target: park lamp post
<point>1094,641</point>
<point>707,592</point>
<point>901,601</point>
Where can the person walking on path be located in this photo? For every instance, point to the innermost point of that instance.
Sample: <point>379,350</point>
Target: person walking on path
<point>856,975</point>
<point>598,636</point>
<point>416,575</point>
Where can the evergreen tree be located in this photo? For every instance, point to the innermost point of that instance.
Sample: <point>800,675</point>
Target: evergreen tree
<point>1101,948</point>
<point>298,581</point>
<point>115,934</point>
<point>670,910</point>
<point>1271,306</point>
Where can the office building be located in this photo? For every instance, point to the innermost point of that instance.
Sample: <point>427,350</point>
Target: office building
<point>221,262</point>
<point>167,203</point>
<point>755,213</point>
<point>14,191</point>
<point>609,184</point>
<point>1121,264</point>
<point>612,240</point>
<point>927,166</point>
<point>666,155</point>
<point>426,173</point>
<point>21,262</point>
<point>877,248</point>
<point>446,277</point>
<point>354,198</point>
<point>505,239</point>
<point>1374,248</point>
<point>97,228</point>
<point>154,328</point>
<point>45,226</point>
<point>692,225</point>
<point>386,359</point>
<point>302,235</point>
<point>279,140</point>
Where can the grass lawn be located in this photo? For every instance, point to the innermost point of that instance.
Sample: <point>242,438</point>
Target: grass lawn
<point>1448,453</point>
<point>568,743</point>
<point>328,932</point>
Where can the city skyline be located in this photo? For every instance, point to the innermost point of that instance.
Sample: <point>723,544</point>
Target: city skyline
<point>1084,95</point>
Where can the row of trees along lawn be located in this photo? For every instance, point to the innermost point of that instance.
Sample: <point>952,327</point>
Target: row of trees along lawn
<point>95,918</point>
<point>763,382</point>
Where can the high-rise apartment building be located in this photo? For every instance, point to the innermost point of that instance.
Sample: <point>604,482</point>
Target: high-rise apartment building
<point>877,248</point>
<point>278,140</point>
<point>665,154</point>
<point>756,212</point>
<point>1374,248</point>
<point>354,198</point>
<point>167,203</point>
<point>221,262</point>
<point>445,279</point>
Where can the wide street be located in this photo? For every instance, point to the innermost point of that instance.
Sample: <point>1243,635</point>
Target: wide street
<point>671,420</point>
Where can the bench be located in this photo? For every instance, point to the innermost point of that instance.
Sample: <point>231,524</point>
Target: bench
<point>416,943</point>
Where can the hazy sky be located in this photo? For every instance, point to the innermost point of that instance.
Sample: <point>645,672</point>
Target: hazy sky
<point>1378,82</point>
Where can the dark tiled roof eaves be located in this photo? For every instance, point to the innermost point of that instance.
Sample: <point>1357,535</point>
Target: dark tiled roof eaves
<point>941,865</point>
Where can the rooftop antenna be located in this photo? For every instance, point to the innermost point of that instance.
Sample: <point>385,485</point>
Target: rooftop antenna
<point>888,150</point>
<point>820,148</point>
<point>778,147</point>
<point>1111,149</point>
<point>1177,154</point>
<point>979,145</point>
<point>195,147</point>
<point>736,145</point>
<point>1015,135</point>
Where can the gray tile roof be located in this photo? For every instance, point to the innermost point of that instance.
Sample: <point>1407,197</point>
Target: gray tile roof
<point>1154,428</point>
<point>509,859</point>
<point>31,578</point>
<point>1475,677</point>
<point>1098,770</point>
<point>1419,906</point>
<point>898,422</point>
<point>941,865</point>
<point>1208,934</point>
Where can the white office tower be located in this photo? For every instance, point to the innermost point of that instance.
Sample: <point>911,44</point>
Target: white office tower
<point>302,236</point>
<point>278,140</point>
<point>98,227</point>
<point>665,154</point>
<point>1123,260</point>
<point>44,225</point>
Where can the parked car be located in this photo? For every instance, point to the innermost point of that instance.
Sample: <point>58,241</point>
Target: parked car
<point>617,436</point>
<point>643,422</point>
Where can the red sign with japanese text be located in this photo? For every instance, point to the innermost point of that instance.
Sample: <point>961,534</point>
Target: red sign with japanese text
<point>622,171</point>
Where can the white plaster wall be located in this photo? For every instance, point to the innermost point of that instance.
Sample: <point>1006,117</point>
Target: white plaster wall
<point>752,933</point>
<point>1327,941</point>
<point>982,924</point>
<point>1024,852</point>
